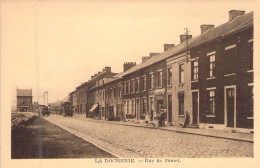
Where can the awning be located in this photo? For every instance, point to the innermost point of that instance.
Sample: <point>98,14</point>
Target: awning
<point>93,107</point>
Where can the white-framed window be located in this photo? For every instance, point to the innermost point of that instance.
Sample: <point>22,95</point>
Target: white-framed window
<point>211,101</point>
<point>159,78</point>
<point>212,65</point>
<point>195,70</point>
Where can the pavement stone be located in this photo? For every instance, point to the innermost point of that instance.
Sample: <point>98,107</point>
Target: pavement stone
<point>130,141</point>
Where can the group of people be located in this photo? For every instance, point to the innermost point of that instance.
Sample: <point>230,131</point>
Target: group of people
<point>162,116</point>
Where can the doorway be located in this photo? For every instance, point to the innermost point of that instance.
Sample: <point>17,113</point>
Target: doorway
<point>195,107</point>
<point>230,106</point>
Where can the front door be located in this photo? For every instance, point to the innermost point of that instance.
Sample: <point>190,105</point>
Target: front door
<point>230,106</point>
<point>195,103</point>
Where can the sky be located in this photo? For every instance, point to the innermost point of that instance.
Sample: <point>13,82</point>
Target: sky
<point>55,45</point>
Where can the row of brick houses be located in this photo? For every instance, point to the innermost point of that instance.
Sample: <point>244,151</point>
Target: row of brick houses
<point>210,76</point>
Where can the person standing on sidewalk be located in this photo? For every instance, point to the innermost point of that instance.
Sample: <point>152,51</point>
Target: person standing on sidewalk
<point>187,120</point>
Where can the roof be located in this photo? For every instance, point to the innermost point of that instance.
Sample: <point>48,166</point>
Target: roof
<point>58,103</point>
<point>236,25</point>
<point>24,92</point>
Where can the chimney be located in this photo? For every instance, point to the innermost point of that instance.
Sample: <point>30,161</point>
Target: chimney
<point>235,13</point>
<point>167,46</point>
<point>152,54</point>
<point>183,37</point>
<point>205,27</point>
<point>128,65</point>
<point>145,59</point>
<point>108,69</point>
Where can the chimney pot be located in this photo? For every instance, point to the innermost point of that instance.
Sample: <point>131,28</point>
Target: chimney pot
<point>235,13</point>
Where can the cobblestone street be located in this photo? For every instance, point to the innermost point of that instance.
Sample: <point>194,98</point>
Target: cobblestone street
<point>129,141</point>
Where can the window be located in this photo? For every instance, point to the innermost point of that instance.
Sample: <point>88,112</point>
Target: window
<point>159,79</point>
<point>211,101</point>
<point>119,91</point>
<point>137,85</point>
<point>103,93</point>
<point>133,106</point>
<point>111,93</point>
<point>195,70</point>
<point>181,73</point>
<point>169,76</point>
<point>128,87</point>
<point>133,86</point>
<point>144,80</point>
<point>151,81</point>
<point>115,93</point>
<point>212,66</point>
<point>181,103</point>
<point>124,88</point>
<point>251,55</point>
<point>144,106</point>
<point>151,105</point>
<point>251,102</point>
<point>127,106</point>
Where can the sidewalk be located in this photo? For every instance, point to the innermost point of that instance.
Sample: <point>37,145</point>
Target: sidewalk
<point>195,131</point>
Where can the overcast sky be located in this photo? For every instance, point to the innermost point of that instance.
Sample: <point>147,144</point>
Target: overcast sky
<point>55,45</point>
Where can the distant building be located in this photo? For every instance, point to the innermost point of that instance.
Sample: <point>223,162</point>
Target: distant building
<point>24,99</point>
